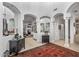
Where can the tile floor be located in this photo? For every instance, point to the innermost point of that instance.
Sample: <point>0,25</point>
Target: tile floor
<point>31,43</point>
<point>74,46</point>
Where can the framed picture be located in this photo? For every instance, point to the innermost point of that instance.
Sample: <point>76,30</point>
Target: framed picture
<point>11,26</point>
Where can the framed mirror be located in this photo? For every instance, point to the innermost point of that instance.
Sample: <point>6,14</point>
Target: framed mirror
<point>11,26</point>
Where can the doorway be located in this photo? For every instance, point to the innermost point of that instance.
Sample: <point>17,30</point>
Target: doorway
<point>28,24</point>
<point>59,29</point>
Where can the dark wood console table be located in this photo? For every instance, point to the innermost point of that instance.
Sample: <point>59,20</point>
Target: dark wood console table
<point>16,45</point>
<point>45,38</point>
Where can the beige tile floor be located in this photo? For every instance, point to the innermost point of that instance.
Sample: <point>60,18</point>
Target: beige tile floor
<point>59,42</point>
<point>31,43</point>
<point>73,46</point>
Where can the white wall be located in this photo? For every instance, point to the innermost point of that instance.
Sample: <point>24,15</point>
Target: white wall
<point>62,32</point>
<point>56,31</point>
<point>72,29</point>
<point>4,43</point>
<point>9,13</point>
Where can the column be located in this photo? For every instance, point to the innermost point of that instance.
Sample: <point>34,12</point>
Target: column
<point>66,32</point>
<point>16,23</point>
<point>51,30</point>
<point>38,30</point>
<point>20,24</point>
<point>54,35</point>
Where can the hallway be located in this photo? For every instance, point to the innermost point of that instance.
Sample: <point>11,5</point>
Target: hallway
<point>46,22</point>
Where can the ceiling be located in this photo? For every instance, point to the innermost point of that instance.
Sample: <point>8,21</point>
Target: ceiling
<point>40,9</point>
<point>28,18</point>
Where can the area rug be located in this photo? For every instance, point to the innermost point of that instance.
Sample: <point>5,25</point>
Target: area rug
<point>49,50</point>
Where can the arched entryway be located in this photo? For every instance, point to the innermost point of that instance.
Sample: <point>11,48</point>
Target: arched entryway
<point>29,24</point>
<point>59,28</point>
<point>74,27</point>
<point>17,17</point>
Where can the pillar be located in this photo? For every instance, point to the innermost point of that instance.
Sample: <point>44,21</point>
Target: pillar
<point>54,35</point>
<point>66,33</point>
<point>20,24</point>
<point>52,30</point>
<point>16,23</point>
<point>38,30</point>
<point>67,18</point>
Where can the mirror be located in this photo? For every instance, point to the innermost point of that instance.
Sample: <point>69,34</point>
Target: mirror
<point>8,27</point>
<point>11,26</point>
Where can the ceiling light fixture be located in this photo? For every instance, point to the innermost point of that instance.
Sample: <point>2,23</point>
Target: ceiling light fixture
<point>55,9</point>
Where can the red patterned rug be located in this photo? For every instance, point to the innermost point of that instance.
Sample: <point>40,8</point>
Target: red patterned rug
<point>49,50</point>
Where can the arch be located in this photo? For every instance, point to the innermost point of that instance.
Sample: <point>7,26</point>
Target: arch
<point>14,9</point>
<point>68,8</point>
<point>58,14</point>
<point>31,16</point>
<point>17,16</point>
<point>59,26</point>
<point>45,17</point>
<point>59,17</point>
